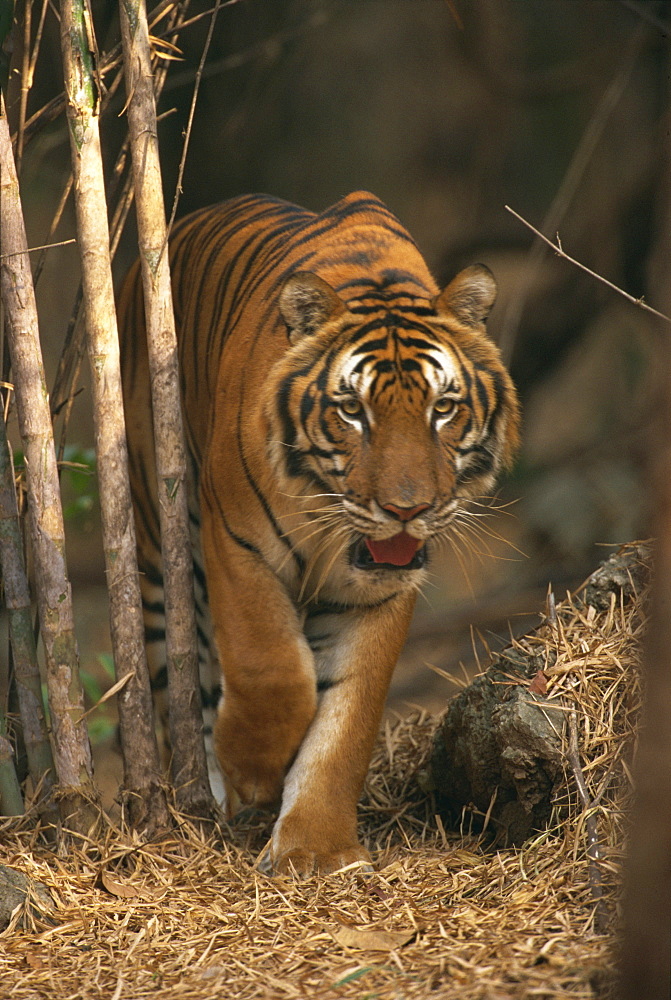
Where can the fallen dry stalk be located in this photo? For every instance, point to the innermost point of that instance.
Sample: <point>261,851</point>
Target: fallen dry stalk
<point>602,917</point>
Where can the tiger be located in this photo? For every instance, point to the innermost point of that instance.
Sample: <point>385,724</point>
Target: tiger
<point>340,413</point>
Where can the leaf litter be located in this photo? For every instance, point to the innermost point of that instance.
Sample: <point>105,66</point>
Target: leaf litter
<point>446,914</point>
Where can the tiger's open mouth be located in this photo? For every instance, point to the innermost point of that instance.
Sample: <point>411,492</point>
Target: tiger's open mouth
<point>401,551</point>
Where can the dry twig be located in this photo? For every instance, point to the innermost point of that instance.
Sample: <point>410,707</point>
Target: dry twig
<point>189,124</point>
<point>601,916</point>
<point>559,250</point>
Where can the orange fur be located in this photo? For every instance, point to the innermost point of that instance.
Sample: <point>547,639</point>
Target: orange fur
<point>339,412</point>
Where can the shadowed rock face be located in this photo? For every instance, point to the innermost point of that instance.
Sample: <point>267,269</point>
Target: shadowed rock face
<point>500,749</point>
<point>500,743</point>
<point>17,889</point>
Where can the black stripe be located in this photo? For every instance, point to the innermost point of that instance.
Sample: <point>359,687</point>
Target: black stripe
<point>326,685</point>
<point>326,608</point>
<point>150,571</point>
<point>154,607</point>
<point>154,634</point>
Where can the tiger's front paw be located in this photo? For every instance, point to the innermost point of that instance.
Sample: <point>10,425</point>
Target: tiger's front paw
<point>302,862</point>
<point>305,842</point>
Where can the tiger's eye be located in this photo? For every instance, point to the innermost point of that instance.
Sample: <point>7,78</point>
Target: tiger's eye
<point>444,406</point>
<point>351,407</point>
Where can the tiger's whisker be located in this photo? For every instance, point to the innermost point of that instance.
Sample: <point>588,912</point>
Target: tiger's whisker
<point>325,572</point>
<point>468,545</point>
<point>310,496</point>
<point>329,508</point>
<point>459,557</point>
<point>314,530</point>
<point>314,557</point>
<point>343,531</point>
<point>487,529</point>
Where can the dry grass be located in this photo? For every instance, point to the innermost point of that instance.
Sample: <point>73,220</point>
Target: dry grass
<point>444,916</point>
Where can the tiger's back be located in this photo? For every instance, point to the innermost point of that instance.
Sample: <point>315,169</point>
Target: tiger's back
<point>339,411</point>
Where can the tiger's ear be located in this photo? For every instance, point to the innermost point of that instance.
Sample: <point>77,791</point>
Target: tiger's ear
<point>469,296</point>
<point>307,301</point>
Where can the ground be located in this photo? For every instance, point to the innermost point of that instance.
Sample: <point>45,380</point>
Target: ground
<point>450,915</point>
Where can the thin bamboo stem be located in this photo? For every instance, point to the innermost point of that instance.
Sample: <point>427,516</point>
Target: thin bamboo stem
<point>186,729</point>
<point>11,799</point>
<point>17,601</point>
<point>143,790</point>
<point>78,797</point>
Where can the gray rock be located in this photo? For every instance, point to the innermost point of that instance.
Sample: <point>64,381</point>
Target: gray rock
<point>502,742</point>
<point>17,889</point>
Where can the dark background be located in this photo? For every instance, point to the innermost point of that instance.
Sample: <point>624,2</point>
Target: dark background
<point>448,111</point>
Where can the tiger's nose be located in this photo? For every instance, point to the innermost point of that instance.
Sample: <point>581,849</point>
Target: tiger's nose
<point>405,513</point>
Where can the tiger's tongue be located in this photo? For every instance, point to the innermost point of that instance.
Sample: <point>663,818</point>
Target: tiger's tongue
<point>398,550</point>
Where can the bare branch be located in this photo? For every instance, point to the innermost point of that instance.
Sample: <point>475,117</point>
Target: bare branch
<point>192,109</point>
<point>25,80</point>
<point>559,250</point>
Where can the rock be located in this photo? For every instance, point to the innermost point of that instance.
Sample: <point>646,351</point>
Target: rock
<point>17,889</point>
<point>625,573</point>
<point>499,748</point>
<point>499,741</point>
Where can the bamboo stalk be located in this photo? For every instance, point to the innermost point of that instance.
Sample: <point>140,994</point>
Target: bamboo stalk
<point>11,799</point>
<point>119,195</point>
<point>78,797</point>
<point>143,789</point>
<point>186,727</point>
<point>19,62</point>
<point>21,635</point>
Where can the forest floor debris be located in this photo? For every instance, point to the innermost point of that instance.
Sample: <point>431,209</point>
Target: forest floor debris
<point>446,914</point>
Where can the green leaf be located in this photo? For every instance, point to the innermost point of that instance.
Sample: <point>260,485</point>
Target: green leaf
<point>100,729</point>
<point>106,661</point>
<point>352,976</point>
<point>91,685</point>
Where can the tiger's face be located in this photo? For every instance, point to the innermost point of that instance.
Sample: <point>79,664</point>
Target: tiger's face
<point>399,410</point>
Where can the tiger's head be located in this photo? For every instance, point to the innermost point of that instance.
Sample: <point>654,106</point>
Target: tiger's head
<point>396,406</point>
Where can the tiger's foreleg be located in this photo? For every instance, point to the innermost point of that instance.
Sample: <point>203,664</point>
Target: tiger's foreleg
<point>269,686</point>
<point>317,825</point>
